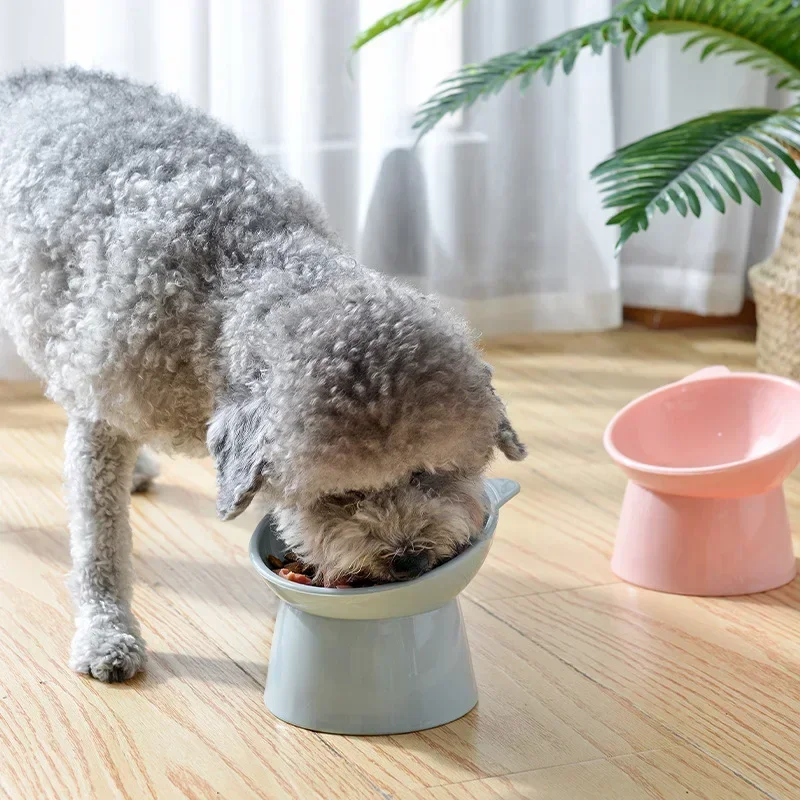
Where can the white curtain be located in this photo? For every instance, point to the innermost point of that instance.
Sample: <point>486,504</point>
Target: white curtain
<point>494,210</point>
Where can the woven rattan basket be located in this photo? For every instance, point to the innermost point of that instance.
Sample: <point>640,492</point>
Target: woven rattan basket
<point>776,288</point>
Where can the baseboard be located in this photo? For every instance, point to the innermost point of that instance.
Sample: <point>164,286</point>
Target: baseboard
<point>656,319</point>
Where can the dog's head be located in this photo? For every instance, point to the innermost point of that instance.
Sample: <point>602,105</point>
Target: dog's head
<point>369,433</point>
<point>391,534</point>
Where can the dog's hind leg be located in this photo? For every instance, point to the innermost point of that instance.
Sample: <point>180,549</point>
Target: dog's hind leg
<point>144,471</point>
<point>99,474</point>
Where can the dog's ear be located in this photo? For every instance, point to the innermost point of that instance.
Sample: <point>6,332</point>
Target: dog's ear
<point>509,442</point>
<point>506,438</point>
<point>235,444</point>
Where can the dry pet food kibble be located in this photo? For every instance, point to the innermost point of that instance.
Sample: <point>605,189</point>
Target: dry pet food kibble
<point>294,570</point>
<point>295,577</point>
<point>291,569</point>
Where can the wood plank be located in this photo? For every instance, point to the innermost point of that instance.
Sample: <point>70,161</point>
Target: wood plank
<point>696,665</point>
<point>193,725</point>
<point>533,712</point>
<point>22,405</point>
<point>549,539</point>
<point>31,463</point>
<point>663,774</point>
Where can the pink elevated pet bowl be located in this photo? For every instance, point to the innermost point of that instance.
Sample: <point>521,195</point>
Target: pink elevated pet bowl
<point>704,512</point>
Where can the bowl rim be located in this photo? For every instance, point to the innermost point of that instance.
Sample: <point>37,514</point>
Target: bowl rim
<point>496,500</point>
<point>651,469</point>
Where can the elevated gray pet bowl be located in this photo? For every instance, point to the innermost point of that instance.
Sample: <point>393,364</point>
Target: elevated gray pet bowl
<point>381,660</point>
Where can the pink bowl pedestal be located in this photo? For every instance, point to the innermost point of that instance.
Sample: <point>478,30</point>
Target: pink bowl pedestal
<point>703,546</point>
<point>704,511</point>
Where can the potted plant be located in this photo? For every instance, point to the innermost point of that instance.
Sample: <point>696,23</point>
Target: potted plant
<point>708,159</point>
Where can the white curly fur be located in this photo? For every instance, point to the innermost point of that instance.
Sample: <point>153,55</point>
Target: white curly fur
<point>172,288</point>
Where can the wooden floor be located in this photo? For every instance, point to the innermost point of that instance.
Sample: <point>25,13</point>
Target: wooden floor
<point>589,688</point>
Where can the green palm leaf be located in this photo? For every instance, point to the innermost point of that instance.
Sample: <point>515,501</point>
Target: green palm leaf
<point>763,33</point>
<point>398,17</point>
<point>703,157</point>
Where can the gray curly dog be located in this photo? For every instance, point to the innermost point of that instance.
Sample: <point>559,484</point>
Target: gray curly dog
<point>173,290</point>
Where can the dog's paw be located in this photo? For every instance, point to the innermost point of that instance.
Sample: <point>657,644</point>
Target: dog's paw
<point>145,471</point>
<point>110,652</point>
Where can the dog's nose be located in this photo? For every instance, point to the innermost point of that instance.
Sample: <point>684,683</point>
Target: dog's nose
<point>408,565</point>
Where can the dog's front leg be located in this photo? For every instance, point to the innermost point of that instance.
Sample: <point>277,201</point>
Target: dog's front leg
<point>99,470</point>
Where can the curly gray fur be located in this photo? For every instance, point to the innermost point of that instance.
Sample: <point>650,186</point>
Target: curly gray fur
<point>172,288</point>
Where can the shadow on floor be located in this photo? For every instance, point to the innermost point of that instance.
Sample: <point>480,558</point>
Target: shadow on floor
<point>231,585</point>
<point>162,667</point>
